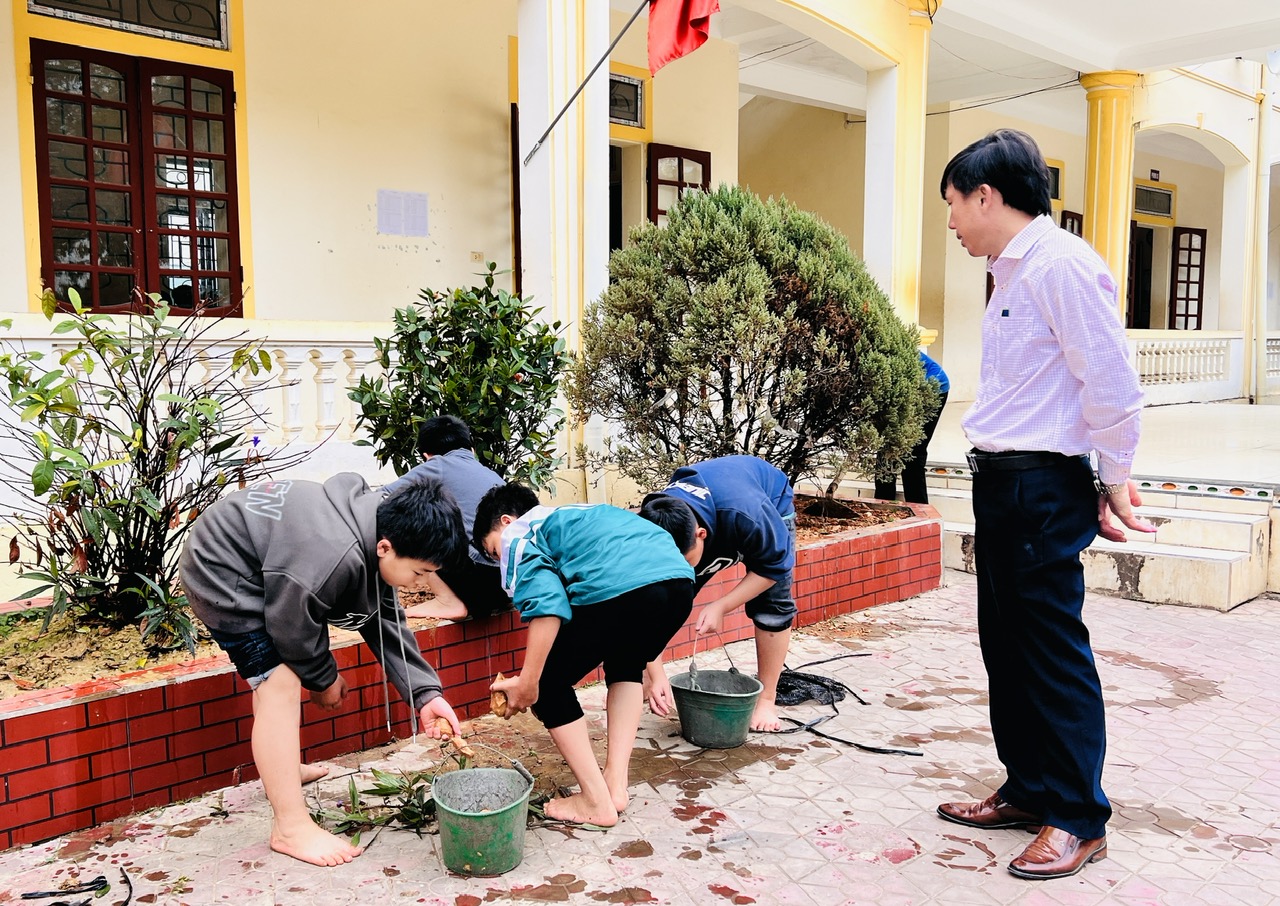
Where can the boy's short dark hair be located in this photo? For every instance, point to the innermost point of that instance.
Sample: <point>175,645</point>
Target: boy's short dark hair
<point>501,500</point>
<point>443,433</point>
<point>423,522</point>
<point>674,515</point>
<point>1011,163</point>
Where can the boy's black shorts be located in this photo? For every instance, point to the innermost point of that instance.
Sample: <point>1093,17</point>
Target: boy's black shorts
<point>624,634</point>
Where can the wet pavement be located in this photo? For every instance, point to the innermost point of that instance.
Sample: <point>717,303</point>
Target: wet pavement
<point>1193,707</point>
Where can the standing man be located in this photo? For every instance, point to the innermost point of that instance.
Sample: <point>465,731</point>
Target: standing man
<point>1056,386</point>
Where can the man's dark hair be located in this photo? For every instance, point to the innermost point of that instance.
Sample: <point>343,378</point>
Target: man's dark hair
<point>423,522</point>
<point>501,500</point>
<point>674,515</point>
<point>1011,163</point>
<point>442,434</point>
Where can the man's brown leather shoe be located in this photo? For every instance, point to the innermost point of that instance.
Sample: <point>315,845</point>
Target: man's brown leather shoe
<point>991,813</point>
<point>1054,853</point>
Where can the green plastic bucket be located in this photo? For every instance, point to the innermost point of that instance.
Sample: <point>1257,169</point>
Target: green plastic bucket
<point>716,714</point>
<point>482,814</point>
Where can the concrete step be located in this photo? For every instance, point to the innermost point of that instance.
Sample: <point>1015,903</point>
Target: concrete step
<point>1158,572</point>
<point>1228,531</point>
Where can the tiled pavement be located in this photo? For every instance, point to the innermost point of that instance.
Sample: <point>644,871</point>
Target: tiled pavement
<point>1193,772</point>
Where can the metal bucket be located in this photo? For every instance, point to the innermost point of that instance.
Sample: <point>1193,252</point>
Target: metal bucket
<point>482,813</point>
<point>715,706</point>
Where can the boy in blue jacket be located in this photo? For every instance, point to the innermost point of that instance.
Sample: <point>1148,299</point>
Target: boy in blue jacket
<point>720,512</point>
<point>597,585</point>
<point>469,586</point>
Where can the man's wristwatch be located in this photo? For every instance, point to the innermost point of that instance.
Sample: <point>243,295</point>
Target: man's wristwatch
<point>1109,489</point>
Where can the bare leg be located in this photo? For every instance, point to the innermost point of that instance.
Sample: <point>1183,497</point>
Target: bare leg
<point>277,752</point>
<point>623,706</point>
<point>594,804</point>
<point>313,772</point>
<point>771,654</point>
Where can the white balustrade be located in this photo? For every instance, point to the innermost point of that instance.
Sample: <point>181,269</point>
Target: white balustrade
<point>1177,366</point>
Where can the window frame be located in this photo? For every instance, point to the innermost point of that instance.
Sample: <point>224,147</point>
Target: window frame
<point>144,195</point>
<point>657,151</point>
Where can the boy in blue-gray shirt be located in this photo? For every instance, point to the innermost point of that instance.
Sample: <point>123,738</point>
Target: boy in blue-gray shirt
<point>597,585</point>
<point>469,586</point>
<point>721,512</point>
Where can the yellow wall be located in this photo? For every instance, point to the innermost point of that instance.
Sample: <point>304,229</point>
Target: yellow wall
<point>695,98</point>
<point>13,264</point>
<point>342,106</point>
<point>809,155</point>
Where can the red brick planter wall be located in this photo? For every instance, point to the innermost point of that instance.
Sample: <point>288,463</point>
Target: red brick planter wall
<point>85,754</point>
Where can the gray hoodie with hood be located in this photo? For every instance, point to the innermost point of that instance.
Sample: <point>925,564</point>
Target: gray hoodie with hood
<point>295,557</point>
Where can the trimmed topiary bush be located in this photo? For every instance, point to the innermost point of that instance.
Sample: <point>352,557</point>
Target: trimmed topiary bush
<point>747,326</point>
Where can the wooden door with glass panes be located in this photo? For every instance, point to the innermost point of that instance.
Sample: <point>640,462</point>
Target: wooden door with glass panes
<point>136,180</point>
<point>1186,282</point>
<point>672,172</point>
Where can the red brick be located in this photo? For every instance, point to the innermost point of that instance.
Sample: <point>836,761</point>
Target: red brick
<point>43,723</point>
<point>316,732</point>
<point>226,710</point>
<point>52,777</point>
<point>129,757</point>
<point>87,741</point>
<point>91,794</point>
<point>152,799</point>
<point>155,777</point>
<point>204,739</point>
<point>201,689</point>
<point>220,763</point>
<point>165,723</point>
<point>28,810</point>
<point>25,755</point>
<point>199,785</point>
<point>54,827</point>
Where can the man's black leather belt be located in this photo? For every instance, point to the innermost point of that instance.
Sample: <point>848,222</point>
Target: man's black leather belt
<point>1016,460</point>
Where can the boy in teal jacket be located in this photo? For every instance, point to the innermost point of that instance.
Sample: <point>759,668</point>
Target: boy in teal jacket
<point>597,585</point>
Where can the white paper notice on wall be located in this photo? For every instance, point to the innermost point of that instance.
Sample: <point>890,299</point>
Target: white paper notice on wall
<point>402,213</point>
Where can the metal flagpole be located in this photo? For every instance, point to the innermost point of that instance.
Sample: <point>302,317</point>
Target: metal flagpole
<point>599,63</point>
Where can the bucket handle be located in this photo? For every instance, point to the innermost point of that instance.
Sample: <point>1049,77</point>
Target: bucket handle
<point>515,764</point>
<point>693,668</point>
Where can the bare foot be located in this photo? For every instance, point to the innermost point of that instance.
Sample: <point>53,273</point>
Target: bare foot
<point>313,772</point>
<point>618,793</point>
<point>765,718</point>
<point>313,844</point>
<point>577,810</point>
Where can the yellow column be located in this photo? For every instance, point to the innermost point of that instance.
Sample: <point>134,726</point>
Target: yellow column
<point>912,89</point>
<point>1108,176</point>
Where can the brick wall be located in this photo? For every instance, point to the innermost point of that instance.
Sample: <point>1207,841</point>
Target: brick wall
<point>86,754</point>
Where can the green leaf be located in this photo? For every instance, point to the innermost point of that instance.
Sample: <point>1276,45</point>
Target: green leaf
<point>42,477</point>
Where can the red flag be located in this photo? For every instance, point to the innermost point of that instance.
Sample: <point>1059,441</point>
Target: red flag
<point>677,27</point>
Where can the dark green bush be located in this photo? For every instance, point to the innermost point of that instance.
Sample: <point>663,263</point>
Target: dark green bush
<point>479,354</point>
<point>747,326</point>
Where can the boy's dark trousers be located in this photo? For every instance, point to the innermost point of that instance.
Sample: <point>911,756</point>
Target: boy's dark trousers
<point>1046,700</point>
<point>623,634</point>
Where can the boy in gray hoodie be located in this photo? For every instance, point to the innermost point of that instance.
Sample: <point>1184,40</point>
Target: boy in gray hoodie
<point>270,568</point>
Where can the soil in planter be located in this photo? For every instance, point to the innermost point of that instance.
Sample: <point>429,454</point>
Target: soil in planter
<point>66,654</point>
<point>817,517</point>
<point>32,658</point>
